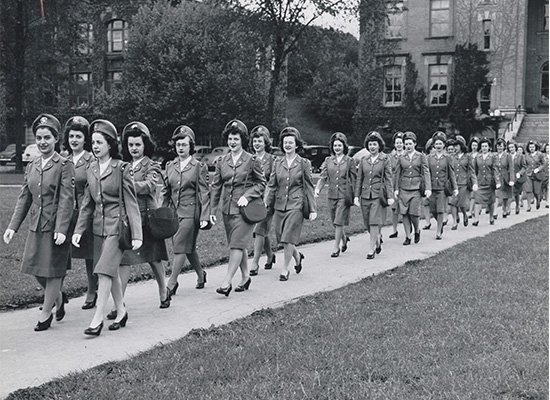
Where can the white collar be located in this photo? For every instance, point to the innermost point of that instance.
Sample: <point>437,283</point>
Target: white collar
<point>45,160</point>
<point>77,157</point>
<point>135,163</point>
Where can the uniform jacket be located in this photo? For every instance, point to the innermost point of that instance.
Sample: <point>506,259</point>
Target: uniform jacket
<point>287,188</point>
<point>520,167</point>
<point>534,160</point>
<point>464,170</point>
<point>181,187</point>
<point>372,175</point>
<point>441,170</point>
<point>101,200</point>
<point>48,211</point>
<point>394,158</point>
<point>341,177</point>
<point>146,180</point>
<point>80,177</point>
<point>505,166</point>
<point>267,164</point>
<point>486,172</point>
<point>411,171</point>
<point>229,181</point>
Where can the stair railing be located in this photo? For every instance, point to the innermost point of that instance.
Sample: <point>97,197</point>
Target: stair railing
<point>510,125</point>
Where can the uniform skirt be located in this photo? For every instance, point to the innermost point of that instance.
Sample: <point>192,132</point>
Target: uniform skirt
<point>185,239</point>
<point>107,255</point>
<point>339,212</point>
<point>152,249</point>
<point>238,232</point>
<point>288,226</point>
<point>505,191</point>
<point>518,188</point>
<point>86,249</point>
<point>528,186</point>
<point>463,198</point>
<point>373,212</point>
<point>262,228</point>
<point>485,195</point>
<point>409,202</point>
<point>42,257</point>
<point>438,202</point>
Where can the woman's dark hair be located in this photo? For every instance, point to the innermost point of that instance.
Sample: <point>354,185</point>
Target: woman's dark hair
<point>148,145</point>
<point>472,140</point>
<point>80,127</point>
<point>342,139</point>
<point>261,133</point>
<point>236,129</point>
<point>57,146</point>
<point>374,136</point>
<point>299,143</point>
<point>529,143</point>
<point>485,140</point>
<point>113,145</point>
<point>513,144</point>
<point>183,135</point>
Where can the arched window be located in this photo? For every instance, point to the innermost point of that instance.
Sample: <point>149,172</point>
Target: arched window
<point>544,84</point>
<point>117,36</point>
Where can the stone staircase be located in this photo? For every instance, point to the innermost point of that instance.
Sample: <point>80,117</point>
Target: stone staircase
<point>534,127</point>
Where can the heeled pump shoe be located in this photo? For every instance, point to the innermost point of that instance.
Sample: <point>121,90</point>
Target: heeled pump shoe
<point>60,312</point>
<point>345,245</point>
<point>90,304</point>
<point>298,267</point>
<point>173,290</point>
<point>94,331</point>
<point>224,291</point>
<point>115,326</point>
<point>166,302</point>
<point>427,227</point>
<point>42,326</point>
<point>112,315</point>
<point>284,277</point>
<point>269,264</point>
<point>335,253</point>
<point>242,288</point>
<point>200,285</point>
<point>371,256</point>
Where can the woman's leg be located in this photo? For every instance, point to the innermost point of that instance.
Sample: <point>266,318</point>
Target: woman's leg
<point>338,236</point>
<point>290,253</point>
<point>103,292</point>
<point>267,248</point>
<point>92,281</point>
<point>52,291</point>
<point>259,244</point>
<point>407,225</point>
<point>118,298</point>
<point>374,237</point>
<point>394,221</point>
<point>415,222</point>
<point>179,260</point>
<point>244,268</point>
<point>160,277</point>
<point>439,218</point>
<point>491,209</point>
<point>427,216</point>
<point>235,258</point>
<point>124,273</point>
<point>454,213</point>
<point>196,264</point>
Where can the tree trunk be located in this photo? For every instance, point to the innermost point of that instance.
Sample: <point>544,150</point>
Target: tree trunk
<point>19,87</point>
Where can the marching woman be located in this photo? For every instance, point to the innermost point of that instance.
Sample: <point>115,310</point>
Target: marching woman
<point>488,179</point>
<point>374,189</point>
<point>412,177</point>
<point>474,150</point>
<point>426,213</point>
<point>535,173</point>
<point>108,177</point>
<point>290,194</point>
<point>465,178</point>
<point>394,157</point>
<point>47,195</point>
<point>78,144</point>
<point>544,186</point>
<point>137,148</point>
<point>340,172</point>
<point>442,175</point>
<point>260,141</point>
<point>505,166</point>
<point>187,190</point>
<point>520,172</point>
<point>239,175</point>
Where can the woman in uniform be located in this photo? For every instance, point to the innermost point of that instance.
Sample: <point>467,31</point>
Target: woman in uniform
<point>374,189</point>
<point>488,179</point>
<point>535,173</point>
<point>290,186</point>
<point>107,177</point>
<point>474,150</point>
<point>78,144</point>
<point>187,190</point>
<point>505,166</point>
<point>412,177</point>
<point>465,178</point>
<point>339,172</point>
<point>238,179</point>
<point>260,141</point>
<point>48,195</point>
<point>137,148</point>
<point>394,156</point>
<point>426,213</point>
<point>442,174</point>
<point>520,172</point>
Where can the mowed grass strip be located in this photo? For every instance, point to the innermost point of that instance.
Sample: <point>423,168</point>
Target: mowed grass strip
<point>468,323</point>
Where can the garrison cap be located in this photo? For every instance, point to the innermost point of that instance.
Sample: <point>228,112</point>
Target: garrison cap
<point>182,132</point>
<point>105,127</point>
<point>136,126</point>
<point>46,121</point>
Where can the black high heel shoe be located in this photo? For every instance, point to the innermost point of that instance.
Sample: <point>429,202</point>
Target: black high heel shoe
<point>284,278</point>
<point>242,288</point>
<point>94,331</point>
<point>42,326</point>
<point>371,256</point>
<point>115,326</point>
<point>335,254</point>
<point>345,245</point>
<point>200,285</point>
<point>298,267</point>
<point>166,302</point>
<point>427,227</point>
<point>253,272</point>
<point>174,290</point>
<point>269,264</point>
<point>90,304</point>
<point>378,249</point>
<point>60,312</point>
<point>224,291</point>
<point>112,315</point>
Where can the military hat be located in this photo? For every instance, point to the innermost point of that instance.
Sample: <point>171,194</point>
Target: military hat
<point>374,136</point>
<point>429,144</point>
<point>461,141</point>
<point>105,127</point>
<point>77,123</point>
<point>235,124</point>
<point>291,131</point>
<point>438,135</point>
<point>397,135</point>
<point>136,126</point>
<point>339,136</point>
<point>500,141</point>
<point>409,135</point>
<point>46,121</point>
<point>183,131</point>
<point>260,129</point>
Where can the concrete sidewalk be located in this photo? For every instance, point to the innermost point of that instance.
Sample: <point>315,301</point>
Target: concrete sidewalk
<point>29,358</point>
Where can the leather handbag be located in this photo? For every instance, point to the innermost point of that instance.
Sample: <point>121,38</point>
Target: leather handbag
<point>255,210</point>
<point>124,231</point>
<point>163,222</point>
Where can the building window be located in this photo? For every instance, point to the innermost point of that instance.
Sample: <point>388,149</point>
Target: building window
<point>113,81</point>
<point>487,27</point>
<point>439,84</point>
<point>117,36</point>
<point>544,84</point>
<point>81,93</point>
<point>393,85</point>
<point>395,21</point>
<point>545,15</point>
<point>440,18</point>
<point>86,37</point>
<point>485,99</point>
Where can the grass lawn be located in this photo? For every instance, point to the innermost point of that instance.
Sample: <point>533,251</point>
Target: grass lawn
<point>468,323</point>
<point>20,290</point>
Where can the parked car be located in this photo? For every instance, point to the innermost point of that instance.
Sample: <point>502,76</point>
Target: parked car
<point>316,154</point>
<point>8,155</point>
<point>210,159</point>
<point>31,152</point>
<point>201,151</point>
